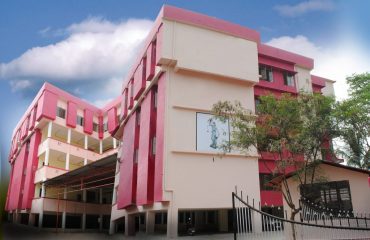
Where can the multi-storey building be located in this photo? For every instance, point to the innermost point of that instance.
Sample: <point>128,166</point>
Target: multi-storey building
<point>149,160</point>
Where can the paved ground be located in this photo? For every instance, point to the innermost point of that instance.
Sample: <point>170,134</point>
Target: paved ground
<point>15,231</point>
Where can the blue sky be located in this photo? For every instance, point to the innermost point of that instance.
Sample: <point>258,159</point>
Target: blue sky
<point>86,46</point>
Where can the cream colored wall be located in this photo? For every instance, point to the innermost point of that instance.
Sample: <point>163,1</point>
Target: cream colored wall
<point>359,186</point>
<point>303,79</point>
<point>207,51</point>
<point>203,179</point>
<point>328,90</point>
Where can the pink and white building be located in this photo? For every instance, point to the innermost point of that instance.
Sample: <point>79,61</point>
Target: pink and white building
<point>148,161</point>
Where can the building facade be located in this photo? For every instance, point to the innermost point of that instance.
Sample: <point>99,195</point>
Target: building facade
<point>149,160</point>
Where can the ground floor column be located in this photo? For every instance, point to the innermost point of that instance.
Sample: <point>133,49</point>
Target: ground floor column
<point>112,227</point>
<point>172,221</point>
<point>223,220</point>
<point>84,213</point>
<point>129,225</point>
<point>41,217</point>
<point>150,222</point>
<point>64,218</point>
<point>31,219</point>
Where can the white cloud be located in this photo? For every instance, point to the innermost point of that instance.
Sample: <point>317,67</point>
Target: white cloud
<point>335,62</point>
<point>94,51</point>
<point>304,7</point>
<point>18,85</point>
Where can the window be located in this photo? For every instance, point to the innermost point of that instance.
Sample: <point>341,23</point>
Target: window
<point>265,178</point>
<point>138,117</point>
<point>95,127</point>
<point>155,98</point>
<point>154,143</point>
<point>266,73</point>
<point>80,120</point>
<point>257,102</point>
<point>136,155</point>
<point>105,127</point>
<point>334,195</point>
<point>61,112</point>
<point>288,79</point>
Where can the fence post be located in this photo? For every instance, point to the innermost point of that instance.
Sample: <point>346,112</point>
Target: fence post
<point>234,216</point>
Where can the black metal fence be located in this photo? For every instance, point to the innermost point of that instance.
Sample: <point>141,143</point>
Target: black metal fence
<point>250,222</point>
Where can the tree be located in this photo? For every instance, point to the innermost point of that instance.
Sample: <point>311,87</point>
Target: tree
<point>352,116</point>
<point>293,128</point>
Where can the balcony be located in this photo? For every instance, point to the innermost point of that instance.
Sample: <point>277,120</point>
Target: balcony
<point>74,207</point>
<point>72,149</point>
<point>48,172</point>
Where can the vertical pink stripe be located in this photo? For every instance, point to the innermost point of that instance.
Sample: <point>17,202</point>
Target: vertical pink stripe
<point>71,114</point>
<point>139,80</point>
<point>161,106</point>
<point>88,121</point>
<point>47,106</point>
<point>31,167</point>
<point>144,142</point>
<point>112,119</point>
<point>125,188</point>
<point>150,61</point>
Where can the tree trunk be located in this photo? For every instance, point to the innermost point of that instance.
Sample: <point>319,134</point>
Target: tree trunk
<point>292,216</point>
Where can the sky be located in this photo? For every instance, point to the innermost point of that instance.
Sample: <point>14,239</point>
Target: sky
<point>86,47</point>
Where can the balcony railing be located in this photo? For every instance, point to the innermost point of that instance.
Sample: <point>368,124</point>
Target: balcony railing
<point>48,172</point>
<point>73,150</point>
<point>61,205</point>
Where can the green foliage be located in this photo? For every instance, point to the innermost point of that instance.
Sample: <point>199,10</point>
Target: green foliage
<point>293,128</point>
<point>352,116</point>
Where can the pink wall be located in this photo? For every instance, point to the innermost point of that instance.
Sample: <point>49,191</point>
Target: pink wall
<point>14,201</point>
<point>88,121</point>
<point>32,118</point>
<point>145,170</point>
<point>130,94</point>
<point>31,167</point>
<point>271,198</point>
<point>47,105</point>
<point>112,120</point>
<point>150,61</point>
<point>139,80</point>
<point>161,106</point>
<point>124,109</point>
<point>126,189</point>
<point>71,114</point>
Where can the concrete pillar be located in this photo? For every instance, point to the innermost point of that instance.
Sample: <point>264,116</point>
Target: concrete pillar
<point>150,222</point>
<point>47,155</point>
<point>86,142</point>
<point>101,146</point>
<point>172,221</point>
<point>101,215</point>
<point>43,190</point>
<point>114,143</point>
<point>112,227</point>
<point>64,215</point>
<point>257,222</point>
<point>67,161</point>
<point>84,214</point>
<point>64,218</point>
<point>69,136</point>
<point>50,128</point>
<point>31,219</point>
<point>129,225</point>
<point>223,220</point>
<point>41,217</point>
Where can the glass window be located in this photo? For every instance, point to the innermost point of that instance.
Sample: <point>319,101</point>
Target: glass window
<point>265,178</point>
<point>288,79</point>
<point>334,195</point>
<point>80,120</point>
<point>95,127</point>
<point>266,73</point>
<point>105,127</point>
<point>61,112</point>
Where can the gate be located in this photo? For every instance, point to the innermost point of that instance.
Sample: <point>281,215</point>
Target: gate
<point>251,223</point>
